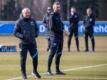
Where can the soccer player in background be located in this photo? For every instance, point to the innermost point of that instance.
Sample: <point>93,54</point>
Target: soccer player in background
<point>46,24</point>
<point>26,30</point>
<point>73,29</point>
<point>89,22</point>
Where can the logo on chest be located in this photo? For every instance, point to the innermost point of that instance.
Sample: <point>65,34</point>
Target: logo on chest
<point>32,23</point>
<point>75,16</point>
<point>91,19</point>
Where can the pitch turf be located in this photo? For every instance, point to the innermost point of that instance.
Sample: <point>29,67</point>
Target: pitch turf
<point>77,65</point>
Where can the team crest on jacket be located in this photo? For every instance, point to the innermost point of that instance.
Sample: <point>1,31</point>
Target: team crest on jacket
<point>75,16</point>
<point>32,23</point>
<point>90,19</point>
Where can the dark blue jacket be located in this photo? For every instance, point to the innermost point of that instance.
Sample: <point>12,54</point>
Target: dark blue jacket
<point>26,30</point>
<point>89,22</point>
<point>56,26</point>
<point>74,19</point>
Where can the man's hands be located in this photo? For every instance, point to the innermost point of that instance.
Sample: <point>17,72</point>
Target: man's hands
<point>66,32</point>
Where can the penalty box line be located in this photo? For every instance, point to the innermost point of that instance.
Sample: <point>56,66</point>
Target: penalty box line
<point>66,70</point>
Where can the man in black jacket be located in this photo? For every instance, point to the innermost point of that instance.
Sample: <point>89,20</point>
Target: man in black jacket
<point>26,30</point>
<point>56,37</point>
<point>89,22</point>
<point>73,29</point>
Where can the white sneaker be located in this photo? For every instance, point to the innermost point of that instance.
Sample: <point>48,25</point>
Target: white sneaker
<point>36,75</point>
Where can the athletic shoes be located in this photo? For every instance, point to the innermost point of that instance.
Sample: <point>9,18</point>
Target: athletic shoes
<point>60,73</point>
<point>49,73</point>
<point>86,50</point>
<point>36,75</point>
<point>24,77</point>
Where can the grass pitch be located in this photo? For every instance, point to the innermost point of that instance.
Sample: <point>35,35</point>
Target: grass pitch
<point>77,65</point>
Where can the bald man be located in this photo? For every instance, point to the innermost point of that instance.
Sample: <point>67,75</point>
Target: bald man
<point>26,30</point>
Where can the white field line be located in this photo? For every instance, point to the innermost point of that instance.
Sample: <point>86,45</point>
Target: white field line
<point>66,70</point>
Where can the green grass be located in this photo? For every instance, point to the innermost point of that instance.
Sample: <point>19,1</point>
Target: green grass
<point>10,68</point>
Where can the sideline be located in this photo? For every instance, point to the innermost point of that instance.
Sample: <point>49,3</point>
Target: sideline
<point>66,70</point>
